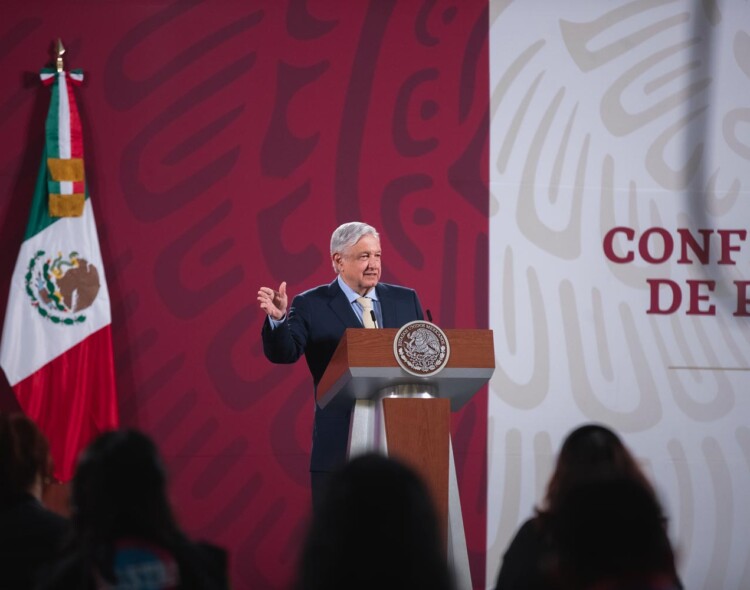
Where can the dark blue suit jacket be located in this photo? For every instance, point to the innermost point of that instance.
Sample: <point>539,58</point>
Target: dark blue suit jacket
<point>315,323</point>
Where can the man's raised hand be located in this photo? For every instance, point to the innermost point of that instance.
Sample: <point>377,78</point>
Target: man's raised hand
<point>274,303</point>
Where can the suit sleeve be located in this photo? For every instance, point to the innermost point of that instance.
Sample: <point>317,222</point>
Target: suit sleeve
<point>286,343</point>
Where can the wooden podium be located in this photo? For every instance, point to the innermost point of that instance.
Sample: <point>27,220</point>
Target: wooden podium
<point>408,416</point>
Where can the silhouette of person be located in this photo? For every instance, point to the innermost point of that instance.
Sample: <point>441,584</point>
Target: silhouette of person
<point>29,533</point>
<point>590,453</point>
<point>610,536</point>
<point>124,532</point>
<point>376,528</point>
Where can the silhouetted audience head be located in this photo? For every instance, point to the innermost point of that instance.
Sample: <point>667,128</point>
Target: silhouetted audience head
<point>125,532</point>
<point>25,463</point>
<point>30,535</point>
<point>590,452</point>
<point>603,516</point>
<point>610,534</point>
<point>119,489</point>
<point>376,528</point>
<point>599,527</point>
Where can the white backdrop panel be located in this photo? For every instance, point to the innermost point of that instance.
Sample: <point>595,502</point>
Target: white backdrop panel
<point>624,115</point>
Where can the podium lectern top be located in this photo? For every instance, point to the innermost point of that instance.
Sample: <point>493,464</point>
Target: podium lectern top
<point>364,364</point>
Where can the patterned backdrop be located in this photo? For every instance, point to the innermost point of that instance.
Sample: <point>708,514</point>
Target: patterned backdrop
<point>224,141</point>
<point>620,259</point>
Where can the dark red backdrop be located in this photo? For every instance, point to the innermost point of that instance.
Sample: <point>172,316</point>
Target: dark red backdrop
<point>224,140</point>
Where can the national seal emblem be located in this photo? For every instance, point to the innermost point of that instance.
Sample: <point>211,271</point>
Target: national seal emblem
<point>61,288</point>
<point>421,348</point>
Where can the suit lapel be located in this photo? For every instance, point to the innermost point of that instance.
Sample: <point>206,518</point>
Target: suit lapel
<point>387,306</point>
<point>340,305</point>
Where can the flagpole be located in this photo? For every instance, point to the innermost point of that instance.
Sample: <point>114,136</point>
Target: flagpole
<point>59,51</point>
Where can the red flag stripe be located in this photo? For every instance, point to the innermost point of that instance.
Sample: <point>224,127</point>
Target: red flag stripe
<point>76,134</point>
<point>72,399</point>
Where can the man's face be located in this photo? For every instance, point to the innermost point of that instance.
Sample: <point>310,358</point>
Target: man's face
<point>359,265</point>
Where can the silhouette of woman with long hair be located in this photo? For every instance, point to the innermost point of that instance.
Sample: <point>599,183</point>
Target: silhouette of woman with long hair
<point>590,455</point>
<point>125,532</point>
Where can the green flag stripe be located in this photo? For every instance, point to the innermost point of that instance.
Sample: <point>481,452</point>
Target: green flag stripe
<point>52,126</point>
<point>39,217</point>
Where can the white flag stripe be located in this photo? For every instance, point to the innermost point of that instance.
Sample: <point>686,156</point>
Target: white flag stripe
<point>29,340</point>
<point>64,117</point>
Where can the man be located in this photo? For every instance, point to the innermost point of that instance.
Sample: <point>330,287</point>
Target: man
<point>317,319</point>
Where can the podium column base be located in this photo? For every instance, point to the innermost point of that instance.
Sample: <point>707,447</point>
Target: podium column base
<point>458,552</point>
<point>367,429</point>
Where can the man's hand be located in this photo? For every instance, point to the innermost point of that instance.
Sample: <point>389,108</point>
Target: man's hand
<point>273,302</point>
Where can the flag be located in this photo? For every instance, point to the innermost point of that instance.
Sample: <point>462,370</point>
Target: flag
<point>56,347</point>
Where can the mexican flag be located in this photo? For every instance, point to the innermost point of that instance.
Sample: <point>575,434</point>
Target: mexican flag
<point>56,347</point>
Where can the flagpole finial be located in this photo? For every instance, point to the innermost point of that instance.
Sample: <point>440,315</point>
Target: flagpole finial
<point>59,51</point>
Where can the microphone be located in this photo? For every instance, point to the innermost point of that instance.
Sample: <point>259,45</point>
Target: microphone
<point>374,318</point>
<point>429,315</point>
